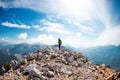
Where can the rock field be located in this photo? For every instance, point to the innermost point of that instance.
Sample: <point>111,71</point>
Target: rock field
<point>50,63</point>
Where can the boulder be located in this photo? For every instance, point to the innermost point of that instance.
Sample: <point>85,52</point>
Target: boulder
<point>84,59</point>
<point>31,56</point>
<point>44,50</point>
<point>22,61</point>
<point>3,68</point>
<point>15,64</point>
<point>39,54</point>
<point>65,71</point>
<point>66,53</point>
<point>22,68</point>
<point>77,56</point>
<point>68,73</point>
<point>70,59</point>
<point>33,71</point>
<point>79,64</point>
<point>50,74</point>
<point>18,73</point>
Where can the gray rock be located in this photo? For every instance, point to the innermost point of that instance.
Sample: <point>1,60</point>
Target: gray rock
<point>33,71</point>
<point>50,74</point>
<point>33,61</point>
<point>70,59</point>
<point>68,73</point>
<point>3,69</point>
<point>52,51</point>
<point>63,70</point>
<point>22,68</point>
<point>80,64</point>
<point>50,63</point>
<point>84,60</point>
<point>39,54</point>
<point>16,78</point>
<point>66,53</point>
<point>44,50</point>
<point>22,61</point>
<point>35,78</point>
<point>45,69</point>
<point>18,73</point>
<point>53,56</point>
<point>31,56</point>
<point>15,64</point>
<point>43,77</point>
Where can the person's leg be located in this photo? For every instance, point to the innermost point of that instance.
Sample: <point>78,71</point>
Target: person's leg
<point>59,46</point>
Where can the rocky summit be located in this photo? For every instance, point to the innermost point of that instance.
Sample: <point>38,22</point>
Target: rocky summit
<point>50,63</point>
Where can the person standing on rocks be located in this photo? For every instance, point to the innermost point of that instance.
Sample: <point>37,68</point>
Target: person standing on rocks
<point>59,42</point>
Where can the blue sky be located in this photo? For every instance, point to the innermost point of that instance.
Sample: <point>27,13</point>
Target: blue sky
<point>79,23</point>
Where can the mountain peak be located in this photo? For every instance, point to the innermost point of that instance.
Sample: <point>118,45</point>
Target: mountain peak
<point>50,63</point>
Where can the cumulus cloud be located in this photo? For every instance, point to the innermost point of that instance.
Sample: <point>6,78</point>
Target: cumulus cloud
<point>36,26</point>
<point>54,27</point>
<point>74,40</point>
<point>43,39</point>
<point>110,36</point>
<point>22,36</point>
<point>8,24</point>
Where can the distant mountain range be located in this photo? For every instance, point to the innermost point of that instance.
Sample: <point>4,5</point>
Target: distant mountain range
<point>22,48</point>
<point>8,51</point>
<point>109,55</point>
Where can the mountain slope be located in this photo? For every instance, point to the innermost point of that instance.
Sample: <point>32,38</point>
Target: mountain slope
<point>9,51</point>
<point>50,63</point>
<point>109,55</point>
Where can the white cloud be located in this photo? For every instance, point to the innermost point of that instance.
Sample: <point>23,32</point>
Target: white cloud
<point>2,4</point>
<point>8,24</point>
<point>4,39</point>
<point>54,27</point>
<point>43,39</point>
<point>22,36</point>
<point>75,9</point>
<point>36,26</point>
<point>80,9</point>
<point>110,36</point>
<point>75,12</point>
<point>84,28</point>
<point>74,40</point>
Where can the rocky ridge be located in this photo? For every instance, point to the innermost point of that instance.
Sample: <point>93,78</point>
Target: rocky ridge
<point>50,63</point>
